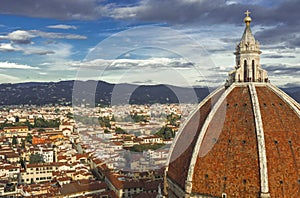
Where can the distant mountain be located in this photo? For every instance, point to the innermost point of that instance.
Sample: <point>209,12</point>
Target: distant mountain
<point>294,92</point>
<point>42,93</point>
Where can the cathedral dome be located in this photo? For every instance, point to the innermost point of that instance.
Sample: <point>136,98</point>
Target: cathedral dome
<point>242,141</point>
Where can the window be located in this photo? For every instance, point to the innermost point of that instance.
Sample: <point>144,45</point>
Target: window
<point>253,71</point>
<point>224,195</point>
<point>245,70</point>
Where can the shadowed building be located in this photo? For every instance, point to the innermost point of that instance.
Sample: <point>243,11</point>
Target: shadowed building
<point>242,140</point>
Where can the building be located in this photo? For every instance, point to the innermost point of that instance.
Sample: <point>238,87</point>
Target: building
<point>83,188</point>
<point>15,131</point>
<point>154,139</point>
<point>46,152</point>
<point>10,172</point>
<point>36,173</point>
<point>126,187</point>
<point>242,140</point>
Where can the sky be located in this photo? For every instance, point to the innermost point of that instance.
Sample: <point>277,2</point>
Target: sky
<point>179,42</point>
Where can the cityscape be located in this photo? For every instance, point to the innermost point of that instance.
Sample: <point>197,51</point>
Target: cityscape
<point>44,147</point>
<point>149,99</point>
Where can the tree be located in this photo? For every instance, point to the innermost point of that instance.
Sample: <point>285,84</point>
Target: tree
<point>106,131</point>
<point>70,115</point>
<point>36,158</point>
<point>41,130</point>
<point>166,133</point>
<point>139,118</point>
<point>113,119</point>
<point>23,143</point>
<point>14,140</point>
<point>145,147</point>
<point>29,138</point>
<point>22,162</point>
<point>173,118</point>
<point>104,122</point>
<point>120,131</point>
<point>27,123</point>
<point>42,123</point>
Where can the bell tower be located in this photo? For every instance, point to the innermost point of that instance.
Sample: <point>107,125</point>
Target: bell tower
<point>247,58</point>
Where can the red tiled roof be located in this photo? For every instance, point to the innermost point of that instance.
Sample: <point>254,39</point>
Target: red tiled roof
<point>42,165</point>
<point>228,160</point>
<point>16,127</point>
<point>282,135</point>
<point>182,153</point>
<point>77,186</point>
<point>234,155</point>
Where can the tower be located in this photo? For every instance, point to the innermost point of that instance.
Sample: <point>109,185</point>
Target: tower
<point>247,58</point>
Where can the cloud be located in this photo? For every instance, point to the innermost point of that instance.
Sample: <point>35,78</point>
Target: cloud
<point>170,11</point>
<point>57,9</point>
<point>283,69</point>
<point>278,56</point>
<point>209,12</point>
<point>4,78</point>
<point>279,19</point>
<point>8,47</point>
<point>283,74</point>
<point>57,56</point>
<point>285,35</point>
<point>8,65</point>
<point>21,41</point>
<point>27,50</point>
<point>125,12</point>
<point>61,26</point>
<point>175,71</point>
<point>25,36</point>
<point>55,35</point>
<point>137,64</point>
<point>182,11</point>
<point>19,37</point>
<point>38,51</point>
